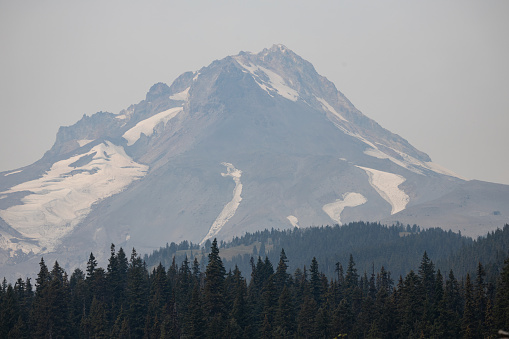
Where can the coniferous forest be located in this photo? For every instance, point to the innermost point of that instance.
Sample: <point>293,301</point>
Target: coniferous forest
<point>185,300</point>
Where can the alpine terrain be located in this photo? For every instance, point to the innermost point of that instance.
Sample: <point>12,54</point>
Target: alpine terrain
<point>252,141</point>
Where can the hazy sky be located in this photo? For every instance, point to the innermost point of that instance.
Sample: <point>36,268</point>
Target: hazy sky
<point>434,72</point>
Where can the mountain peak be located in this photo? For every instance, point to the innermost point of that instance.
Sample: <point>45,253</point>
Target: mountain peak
<point>279,48</point>
<point>250,141</point>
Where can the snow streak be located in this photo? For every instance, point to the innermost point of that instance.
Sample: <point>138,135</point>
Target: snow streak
<point>387,185</point>
<point>350,199</point>
<point>147,126</point>
<point>230,208</point>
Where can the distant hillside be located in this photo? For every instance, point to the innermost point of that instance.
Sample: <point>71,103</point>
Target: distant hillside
<point>398,248</point>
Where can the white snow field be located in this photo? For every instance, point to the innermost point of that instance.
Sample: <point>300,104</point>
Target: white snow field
<point>181,96</point>
<point>147,126</point>
<point>64,195</point>
<point>326,106</point>
<point>275,83</point>
<point>293,220</point>
<point>350,199</point>
<point>84,142</point>
<point>386,184</point>
<point>230,208</point>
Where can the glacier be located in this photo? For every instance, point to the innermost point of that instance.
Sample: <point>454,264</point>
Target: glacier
<point>64,195</point>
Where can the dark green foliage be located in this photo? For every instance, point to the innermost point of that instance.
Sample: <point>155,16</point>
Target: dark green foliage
<point>369,243</point>
<point>214,294</point>
<point>137,292</point>
<point>126,301</point>
<point>502,298</point>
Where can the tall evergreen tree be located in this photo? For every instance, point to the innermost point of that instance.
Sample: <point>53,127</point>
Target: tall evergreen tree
<point>197,319</point>
<point>281,277</point>
<point>285,316</point>
<point>480,301</point>
<point>468,322</point>
<point>91,265</point>
<point>307,318</point>
<point>501,308</point>
<point>315,282</point>
<point>137,292</point>
<point>214,294</point>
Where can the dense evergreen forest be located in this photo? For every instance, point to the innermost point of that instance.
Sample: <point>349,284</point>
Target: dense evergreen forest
<point>126,300</point>
<point>398,248</point>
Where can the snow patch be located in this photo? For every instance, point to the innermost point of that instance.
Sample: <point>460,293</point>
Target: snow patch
<point>387,186</point>
<point>442,170</point>
<point>411,163</point>
<point>329,108</point>
<point>293,220</point>
<point>121,117</point>
<point>10,173</point>
<point>64,195</point>
<point>350,199</point>
<point>181,96</point>
<point>147,126</point>
<point>230,208</point>
<point>407,161</point>
<point>83,142</point>
<point>196,76</point>
<point>275,83</point>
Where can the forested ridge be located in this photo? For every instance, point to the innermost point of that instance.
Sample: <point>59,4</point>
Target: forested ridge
<point>398,248</point>
<point>186,300</point>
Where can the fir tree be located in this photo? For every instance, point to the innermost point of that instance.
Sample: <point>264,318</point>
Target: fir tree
<point>285,316</point>
<point>501,308</point>
<point>468,323</point>
<point>137,286</point>
<point>214,293</point>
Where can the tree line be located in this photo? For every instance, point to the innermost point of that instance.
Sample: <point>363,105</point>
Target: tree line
<point>398,248</point>
<point>126,300</point>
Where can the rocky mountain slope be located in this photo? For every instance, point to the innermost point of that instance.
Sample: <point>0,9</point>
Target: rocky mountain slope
<point>252,141</point>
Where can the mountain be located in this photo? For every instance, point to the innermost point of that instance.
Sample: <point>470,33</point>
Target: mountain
<point>252,141</point>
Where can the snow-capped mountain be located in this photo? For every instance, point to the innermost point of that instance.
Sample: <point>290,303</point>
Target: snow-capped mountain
<point>252,141</point>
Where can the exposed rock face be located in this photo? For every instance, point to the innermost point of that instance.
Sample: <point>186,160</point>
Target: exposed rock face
<point>251,141</point>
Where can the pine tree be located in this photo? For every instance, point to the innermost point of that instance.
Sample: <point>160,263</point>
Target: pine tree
<point>137,291</point>
<point>239,310</point>
<point>196,271</point>
<point>323,323</point>
<point>501,308</point>
<point>285,316</point>
<point>266,330</point>
<point>307,318</point>
<point>281,277</point>
<point>91,265</point>
<point>214,294</point>
<point>480,300</point>
<point>269,298</point>
<point>197,320</point>
<point>351,278</point>
<point>315,282</point>
<point>9,311</point>
<point>410,304</point>
<point>19,331</point>
<point>98,320</point>
<point>468,323</point>
<point>39,313</point>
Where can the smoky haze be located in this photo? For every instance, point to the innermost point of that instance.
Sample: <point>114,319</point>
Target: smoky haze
<point>434,72</point>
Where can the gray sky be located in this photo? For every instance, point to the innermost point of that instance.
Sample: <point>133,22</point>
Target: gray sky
<point>434,72</point>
